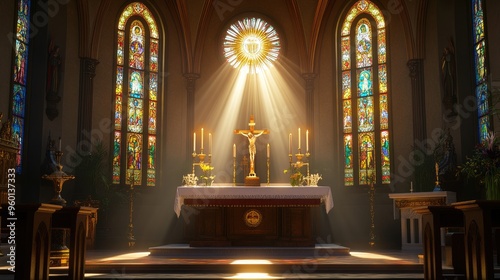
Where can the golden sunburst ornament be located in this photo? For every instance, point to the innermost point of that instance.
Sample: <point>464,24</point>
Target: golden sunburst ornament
<point>251,44</point>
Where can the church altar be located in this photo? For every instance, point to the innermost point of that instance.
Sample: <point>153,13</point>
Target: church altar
<point>274,215</point>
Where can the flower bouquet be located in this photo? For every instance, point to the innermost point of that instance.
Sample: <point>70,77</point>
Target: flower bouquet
<point>484,165</point>
<point>296,177</point>
<point>207,178</point>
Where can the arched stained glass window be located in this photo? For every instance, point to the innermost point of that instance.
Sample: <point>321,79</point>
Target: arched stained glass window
<point>480,69</point>
<point>19,75</point>
<point>365,96</point>
<point>136,97</point>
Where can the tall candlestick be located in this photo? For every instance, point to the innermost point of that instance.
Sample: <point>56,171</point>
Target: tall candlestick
<point>307,140</point>
<point>194,142</point>
<point>202,138</point>
<point>210,143</point>
<point>59,144</point>
<point>290,143</point>
<point>234,150</point>
<point>299,138</point>
<point>268,151</point>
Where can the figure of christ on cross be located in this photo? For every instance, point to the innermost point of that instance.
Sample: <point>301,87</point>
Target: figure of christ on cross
<point>252,135</point>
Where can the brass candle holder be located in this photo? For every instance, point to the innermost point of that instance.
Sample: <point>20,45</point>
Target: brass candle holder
<point>437,187</point>
<point>234,170</point>
<point>199,159</point>
<point>58,178</point>
<point>130,235</point>
<point>268,167</point>
<point>300,162</point>
<point>372,211</point>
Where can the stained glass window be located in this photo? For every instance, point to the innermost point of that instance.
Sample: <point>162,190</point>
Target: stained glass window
<point>365,96</point>
<point>19,75</point>
<point>480,69</point>
<point>136,97</point>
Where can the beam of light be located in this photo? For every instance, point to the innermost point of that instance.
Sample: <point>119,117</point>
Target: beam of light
<point>366,255</point>
<point>127,256</point>
<point>274,94</point>
<point>250,261</point>
<point>225,101</point>
<point>252,275</point>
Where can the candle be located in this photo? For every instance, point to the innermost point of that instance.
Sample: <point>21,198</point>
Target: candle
<point>268,151</point>
<point>299,138</point>
<point>290,143</point>
<point>210,143</point>
<point>194,142</point>
<point>307,140</point>
<point>202,138</point>
<point>234,150</point>
<point>60,144</point>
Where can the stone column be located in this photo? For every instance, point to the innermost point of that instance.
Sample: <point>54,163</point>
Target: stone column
<point>86,92</point>
<point>418,98</point>
<point>309,78</point>
<point>190,90</point>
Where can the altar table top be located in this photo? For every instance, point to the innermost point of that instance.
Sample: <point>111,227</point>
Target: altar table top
<point>245,192</point>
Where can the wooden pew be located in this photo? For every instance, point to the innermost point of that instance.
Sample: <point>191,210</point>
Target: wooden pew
<point>434,218</point>
<point>481,217</point>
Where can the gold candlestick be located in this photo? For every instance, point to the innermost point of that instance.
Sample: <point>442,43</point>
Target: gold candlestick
<point>301,162</point>
<point>268,166</point>
<point>199,159</point>
<point>437,188</point>
<point>372,212</point>
<point>234,171</point>
<point>130,235</point>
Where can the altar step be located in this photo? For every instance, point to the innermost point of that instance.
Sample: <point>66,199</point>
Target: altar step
<point>179,261</point>
<point>184,251</point>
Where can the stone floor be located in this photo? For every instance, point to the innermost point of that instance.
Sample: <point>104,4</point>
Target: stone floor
<point>243,263</point>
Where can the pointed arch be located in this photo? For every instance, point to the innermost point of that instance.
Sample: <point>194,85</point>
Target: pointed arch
<point>136,96</point>
<point>364,97</point>
<point>481,71</point>
<point>19,76</point>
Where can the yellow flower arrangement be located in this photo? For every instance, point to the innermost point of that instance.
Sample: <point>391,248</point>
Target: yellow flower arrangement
<point>207,178</point>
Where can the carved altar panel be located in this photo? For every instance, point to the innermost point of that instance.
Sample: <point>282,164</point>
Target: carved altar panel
<point>250,216</point>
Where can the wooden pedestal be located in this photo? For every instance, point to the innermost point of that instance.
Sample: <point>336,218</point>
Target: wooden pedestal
<point>252,181</point>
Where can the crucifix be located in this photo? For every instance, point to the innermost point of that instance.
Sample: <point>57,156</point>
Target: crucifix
<point>251,134</point>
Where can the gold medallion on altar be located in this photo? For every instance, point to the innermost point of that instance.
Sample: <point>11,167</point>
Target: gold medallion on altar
<point>252,218</point>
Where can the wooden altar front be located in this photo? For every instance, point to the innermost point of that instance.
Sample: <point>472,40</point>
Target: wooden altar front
<point>250,216</point>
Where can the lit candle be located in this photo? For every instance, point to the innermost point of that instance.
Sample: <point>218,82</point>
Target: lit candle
<point>210,143</point>
<point>60,144</point>
<point>194,142</point>
<point>268,151</point>
<point>307,140</point>
<point>234,150</point>
<point>202,138</point>
<point>299,138</point>
<point>290,143</point>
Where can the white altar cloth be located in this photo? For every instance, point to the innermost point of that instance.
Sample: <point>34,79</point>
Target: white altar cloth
<point>263,192</point>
